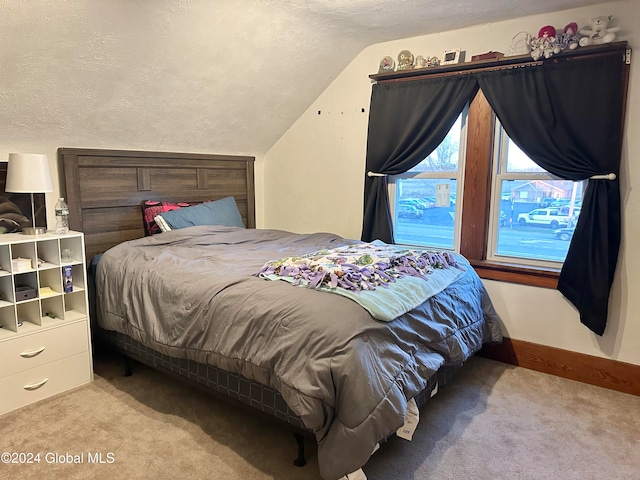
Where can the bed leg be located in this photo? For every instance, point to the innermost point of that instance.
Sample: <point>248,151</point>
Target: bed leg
<point>128,366</point>
<point>300,460</point>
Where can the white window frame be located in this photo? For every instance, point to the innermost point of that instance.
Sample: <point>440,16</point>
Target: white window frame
<point>500,174</point>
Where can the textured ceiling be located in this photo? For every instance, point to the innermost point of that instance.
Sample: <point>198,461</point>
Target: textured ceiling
<point>227,76</point>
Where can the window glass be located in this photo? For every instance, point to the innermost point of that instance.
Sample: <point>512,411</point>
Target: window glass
<point>425,198</point>
<point>425,212</point>
<point>446,157</point>
<point>517,160</point>
<point>532,213</point>
<point>537,212</point>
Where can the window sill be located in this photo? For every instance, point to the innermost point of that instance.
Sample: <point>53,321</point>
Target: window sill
<point>503,272</point>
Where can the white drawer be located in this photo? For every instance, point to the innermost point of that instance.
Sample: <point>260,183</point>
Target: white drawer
<point>29,351</point>
<point>44,381</point>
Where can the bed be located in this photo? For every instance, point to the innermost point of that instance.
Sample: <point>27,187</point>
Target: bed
<point>318,361</point>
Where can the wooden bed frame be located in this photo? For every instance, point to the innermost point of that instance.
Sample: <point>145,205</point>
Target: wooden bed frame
<point>105,190</point>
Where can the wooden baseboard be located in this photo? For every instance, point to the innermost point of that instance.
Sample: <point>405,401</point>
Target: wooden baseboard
<point>602,372</point>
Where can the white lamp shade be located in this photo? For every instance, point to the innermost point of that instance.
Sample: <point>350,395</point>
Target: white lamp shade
<point>28,173</point>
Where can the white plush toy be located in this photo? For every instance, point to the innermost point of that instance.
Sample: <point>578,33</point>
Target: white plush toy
<point>598,32</point>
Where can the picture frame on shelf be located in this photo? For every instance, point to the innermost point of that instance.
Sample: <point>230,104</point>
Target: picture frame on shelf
<point>450,56</point>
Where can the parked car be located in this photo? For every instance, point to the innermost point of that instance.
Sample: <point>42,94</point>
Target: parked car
<point>412,202</point>
<point>546,202</point>
<point>543,216</point>
<point>564,233</point>
<point>560,202</point>
<point>421,203</point>
<point>430,201</point>
<point>565,210</point>
<point>409,211</point>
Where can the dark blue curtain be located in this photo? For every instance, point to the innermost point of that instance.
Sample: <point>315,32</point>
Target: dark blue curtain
<point>567,117</point>
<point>407,121</point>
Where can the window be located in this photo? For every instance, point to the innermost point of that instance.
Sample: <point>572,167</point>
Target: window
<point>406,118</point>
<point>479,194</point>
<point>533,213</point>
<point>424,199</point>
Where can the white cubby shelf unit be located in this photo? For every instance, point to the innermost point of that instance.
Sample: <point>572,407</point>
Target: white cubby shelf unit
<point>32,283</point>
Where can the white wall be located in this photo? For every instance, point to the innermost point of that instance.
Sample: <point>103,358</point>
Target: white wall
<point>313,181</point>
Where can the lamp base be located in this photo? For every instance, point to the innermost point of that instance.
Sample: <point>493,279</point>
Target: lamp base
<point>34,230</point>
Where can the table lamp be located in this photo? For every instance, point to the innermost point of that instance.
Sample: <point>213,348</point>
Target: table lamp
<point>29,173</point>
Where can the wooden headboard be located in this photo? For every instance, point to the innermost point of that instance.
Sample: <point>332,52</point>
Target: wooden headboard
<point>105,188</point>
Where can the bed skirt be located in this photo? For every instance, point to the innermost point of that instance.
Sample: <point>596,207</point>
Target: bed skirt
<point>232,385</point>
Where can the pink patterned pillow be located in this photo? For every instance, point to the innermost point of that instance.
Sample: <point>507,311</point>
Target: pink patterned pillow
<point>151,208</point>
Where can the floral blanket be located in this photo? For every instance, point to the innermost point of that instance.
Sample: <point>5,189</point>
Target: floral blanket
<point>406,277</point>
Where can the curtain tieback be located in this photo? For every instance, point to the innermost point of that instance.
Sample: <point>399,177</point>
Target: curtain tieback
<point>607,176</point>
<point>374,174</point>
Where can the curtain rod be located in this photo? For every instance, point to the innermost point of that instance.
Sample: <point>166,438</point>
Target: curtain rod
<point>606,176</point>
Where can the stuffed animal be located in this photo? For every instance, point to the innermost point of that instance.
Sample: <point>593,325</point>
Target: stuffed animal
<point>569,37</point>
<point>545,45</point>
<point>598,32</point>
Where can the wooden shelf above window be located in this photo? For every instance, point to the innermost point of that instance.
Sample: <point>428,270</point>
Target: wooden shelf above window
<point>479,65</point>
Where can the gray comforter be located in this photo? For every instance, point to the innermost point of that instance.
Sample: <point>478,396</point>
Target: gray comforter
<point>191,293</point>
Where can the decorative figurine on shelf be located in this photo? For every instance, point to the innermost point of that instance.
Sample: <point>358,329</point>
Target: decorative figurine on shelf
<point>421,62</point>
<point>569,37</point>
<point>433,62</point>
<point>598,32</point>
<point>545,45</point>
<point>405,60</point>
<point>387,64</point>
<point>520,44</point>
<point>489,56</point>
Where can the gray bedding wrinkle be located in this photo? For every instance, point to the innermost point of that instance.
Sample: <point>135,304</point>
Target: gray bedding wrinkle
<point>191,293</point>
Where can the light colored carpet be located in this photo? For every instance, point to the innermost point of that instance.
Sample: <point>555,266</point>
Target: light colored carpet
<point>492,422</point>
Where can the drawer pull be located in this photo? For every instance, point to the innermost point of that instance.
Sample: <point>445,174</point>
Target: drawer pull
<point>35,386</point>
<point>33,353</point>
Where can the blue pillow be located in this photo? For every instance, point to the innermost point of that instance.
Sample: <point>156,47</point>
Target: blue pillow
<point>220,212</point>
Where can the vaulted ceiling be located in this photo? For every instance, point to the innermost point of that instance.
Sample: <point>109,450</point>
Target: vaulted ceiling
<point>227,76</point>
